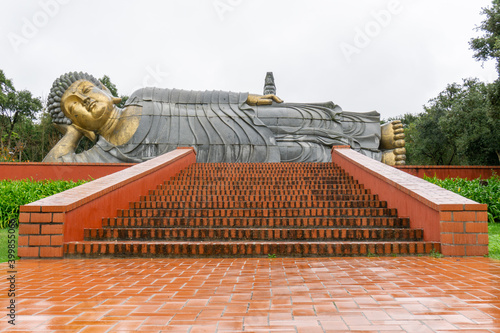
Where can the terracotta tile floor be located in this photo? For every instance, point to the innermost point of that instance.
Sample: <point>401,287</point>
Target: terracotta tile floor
<point>257,295</point>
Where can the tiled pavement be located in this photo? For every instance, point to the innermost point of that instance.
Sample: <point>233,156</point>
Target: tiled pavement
<point>418,294</point>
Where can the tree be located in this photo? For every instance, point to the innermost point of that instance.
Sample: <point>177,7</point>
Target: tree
<point>426,143</point>
<point>469,123</point>
<point>14,107</point>
<point>460,125</point>
<point>35,138</point>
<point>487,47</point>
<point>455,128</point>
<point>6,88</point>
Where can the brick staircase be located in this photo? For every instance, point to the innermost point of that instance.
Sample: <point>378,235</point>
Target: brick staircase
<point>238,210</point>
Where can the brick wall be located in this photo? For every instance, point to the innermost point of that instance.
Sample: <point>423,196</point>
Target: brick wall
<point>464,230</point>
<point>46,224</point>
<point>459,224</point>
<point>59,171</point>
<point>40,234</point>
<point>450,171</point>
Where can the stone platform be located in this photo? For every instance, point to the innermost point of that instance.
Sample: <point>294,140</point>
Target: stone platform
<point>406,294</point>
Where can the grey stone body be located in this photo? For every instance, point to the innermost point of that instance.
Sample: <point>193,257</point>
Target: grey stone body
<point>223,128</point>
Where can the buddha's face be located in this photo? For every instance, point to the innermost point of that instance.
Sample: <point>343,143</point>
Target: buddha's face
<point>87,105</point>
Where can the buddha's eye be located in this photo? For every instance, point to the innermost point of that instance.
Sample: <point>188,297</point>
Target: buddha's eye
<point>87,89</point>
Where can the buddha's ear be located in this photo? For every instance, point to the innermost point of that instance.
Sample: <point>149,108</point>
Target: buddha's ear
<point>116,100</point>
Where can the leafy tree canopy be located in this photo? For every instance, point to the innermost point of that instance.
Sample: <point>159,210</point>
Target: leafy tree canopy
<point>461,125</point>
<point>487,47</point>
<point>14,106</point>
<point>456,128</point>
<point>6,87</point>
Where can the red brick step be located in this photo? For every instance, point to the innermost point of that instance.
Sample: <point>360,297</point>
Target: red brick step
<point>339,222</point>
<point>292,209</point>
<point>235,204</point>
<point>244,249</point>
<point>282,234</point>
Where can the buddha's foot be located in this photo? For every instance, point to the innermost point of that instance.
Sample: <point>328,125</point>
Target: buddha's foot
<point>395,156</point>
<point>393,135</point>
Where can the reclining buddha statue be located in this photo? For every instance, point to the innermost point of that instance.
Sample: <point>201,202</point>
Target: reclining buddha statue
<point>221,126</point>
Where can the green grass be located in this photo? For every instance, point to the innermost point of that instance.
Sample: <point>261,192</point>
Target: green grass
<point>435,254</point>
<point>494,235</point>
<point>4,237</point>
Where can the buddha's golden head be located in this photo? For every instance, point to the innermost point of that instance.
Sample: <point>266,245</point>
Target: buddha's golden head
<point>81,99</point>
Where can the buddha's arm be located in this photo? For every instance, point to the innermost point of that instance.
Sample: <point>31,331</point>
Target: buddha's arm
<point>66,145</point>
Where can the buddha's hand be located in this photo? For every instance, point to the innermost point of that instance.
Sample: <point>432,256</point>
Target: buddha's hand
<point>67,144</point>
<point>263,100</point>
<point>75,132</point>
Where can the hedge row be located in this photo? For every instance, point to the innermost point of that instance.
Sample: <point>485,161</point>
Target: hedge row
<point>485,191</point>
<point>15,193</point>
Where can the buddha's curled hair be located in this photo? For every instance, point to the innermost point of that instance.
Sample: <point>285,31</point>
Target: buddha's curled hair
<point>58,89</point>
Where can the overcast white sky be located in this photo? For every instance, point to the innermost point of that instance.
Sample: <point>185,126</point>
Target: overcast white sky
<point>386,55</point>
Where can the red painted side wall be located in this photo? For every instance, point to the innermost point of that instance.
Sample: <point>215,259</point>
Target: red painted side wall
<point>443,172</point>
<point>119,198</point>
<point>460,225</point>
<point>45,225</point>
<point>59,171</point>
<point>421,215</point>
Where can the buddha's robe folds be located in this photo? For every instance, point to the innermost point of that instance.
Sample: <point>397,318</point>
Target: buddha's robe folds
<point>223,128</point>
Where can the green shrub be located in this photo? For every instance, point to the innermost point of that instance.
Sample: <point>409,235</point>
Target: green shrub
<point>15,193</point>
<point>485,191</point>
